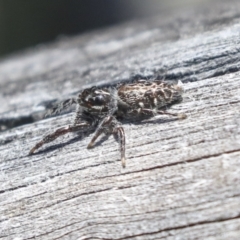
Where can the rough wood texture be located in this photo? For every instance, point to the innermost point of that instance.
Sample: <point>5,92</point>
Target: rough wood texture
<point>182,177</point>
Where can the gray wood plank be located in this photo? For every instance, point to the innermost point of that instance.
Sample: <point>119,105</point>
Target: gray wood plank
<point>182,176</point>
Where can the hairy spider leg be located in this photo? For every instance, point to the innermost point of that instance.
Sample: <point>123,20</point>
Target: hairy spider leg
<point>59,132</point>
<point>121,139</point>
<point>61,106</point>
<point>104,126</point>
<point>153,112</point>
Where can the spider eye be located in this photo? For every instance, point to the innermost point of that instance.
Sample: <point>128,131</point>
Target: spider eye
<point>99,100</point>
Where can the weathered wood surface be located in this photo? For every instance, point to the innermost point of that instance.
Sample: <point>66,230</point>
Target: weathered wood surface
<point>182,177</point>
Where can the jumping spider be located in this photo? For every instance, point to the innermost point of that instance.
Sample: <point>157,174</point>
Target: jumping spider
<point>102,108</point>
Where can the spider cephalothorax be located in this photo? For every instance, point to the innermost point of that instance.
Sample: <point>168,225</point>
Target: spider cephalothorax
<point>102,108</point>
<point>94,99</point>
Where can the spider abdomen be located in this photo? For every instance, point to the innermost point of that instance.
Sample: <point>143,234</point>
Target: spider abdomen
<point>150,95</point>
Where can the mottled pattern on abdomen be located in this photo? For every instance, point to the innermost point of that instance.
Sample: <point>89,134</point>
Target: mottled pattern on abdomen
<point>156,94</point>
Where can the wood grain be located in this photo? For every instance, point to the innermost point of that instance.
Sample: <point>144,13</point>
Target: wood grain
<point>182,176</point>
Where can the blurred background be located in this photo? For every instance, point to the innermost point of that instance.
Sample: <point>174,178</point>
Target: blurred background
<point>25,23</point>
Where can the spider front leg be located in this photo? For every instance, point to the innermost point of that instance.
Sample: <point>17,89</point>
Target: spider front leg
<point>121,138</point>
<point>59,132</point>
<point>111,125</point>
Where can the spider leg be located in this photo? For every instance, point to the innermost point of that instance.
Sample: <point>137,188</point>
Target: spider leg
<point>61,106</point>
<point>121,138</point>
<point>103,125</point>
<point>153,112</point>
<point>111,125</point>
<point>59,132</point>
